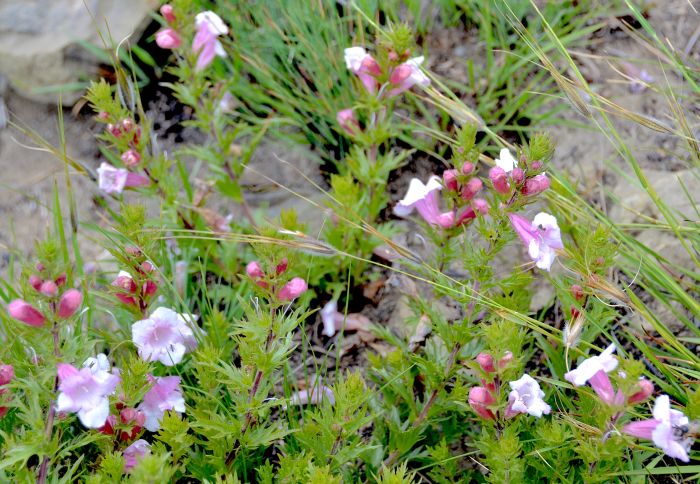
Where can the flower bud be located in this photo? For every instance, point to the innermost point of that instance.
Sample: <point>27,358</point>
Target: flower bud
<point>499,178</point>
<point>128,124</point>
<point>467,168</point>
<point>393,56</point>
<point>35,281</point>
<point>481,205</point>
<point>293,289</point>
<point>133,251</point>
<point>125,281</point>
<point>7,373</point>
<point>168,39</point>
<point>70,302</point>
<point>149,288</point>
<point>133,417</point>
<point>517,175</point>
<point>103,115</point>
<point>536,185</point>
<point>370,66</point>
<point>254,270</point>
<point>282,266</point>
<point>108,427</point>
<point>61,280</point>
<point>25,312</point>
<point>646,388</point>
<point>114,130</point>
<point>479,399</point>
<point>131,158</point>
<point>48,288</point>
<point>472,187</point>
<point>400,74</point>
<point>147,267</point>
<point>449,179</point>
<point>577,292</point>
<point>167,12</point>
<point>347,120</point>
<point>507,358</point>
<point>536,165</point>
<point>485,361</point>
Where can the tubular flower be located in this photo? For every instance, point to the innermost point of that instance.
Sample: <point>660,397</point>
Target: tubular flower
<point>69,303</point>
<point>168,38</point>
<point>407,75</point>
<point>135,452</point>
<point>668,430</point>
<point>526,397</point>
<point>85,392</point>
<point>25,312</point>
<point>206,43</point>
<point>364,66</point>
<point>423,198</point>
<point>165,336</point>
<point>541,237</point>
<point>293,289</point>
<point>115,180</point>
<point>480,398</point>
<point>165,394</point>
<point>594,370</point>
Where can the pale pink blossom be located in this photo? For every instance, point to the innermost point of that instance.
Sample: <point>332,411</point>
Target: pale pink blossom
<point>48,288</point>
<point>134,453</point>
<point>316,395</point>
<point>364,66</point>
<point>168,38</point>
<point>333,320</point>
<point>423,198</point>
<point>646,388</point>
<point>69,303</point>
<point>407,75</point>
<point>526,397</point>
<point>347,120</point>
<point>7,374</point>
<point>594,371</point>
<point>293,289</point>
<point>115,180</point>
<point>25,312</point>
<point>85,392</point>
<point>499,180</point>
<point>480,399</point>
<point>488,365</point>
<point>541,237</point>
<point>165,336</point>
<point>164,395</point>
<point>668,430</point>
<point>206,43</point>
<point>535,185</point>
<point>168,13</point>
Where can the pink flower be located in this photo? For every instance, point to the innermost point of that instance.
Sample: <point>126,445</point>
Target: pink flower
<point>206,43</point>
<point>646,388</point>
<point>668,430</point>
<point>35,281</point>
<point>131,158</point>
<point>134,453</point>
<point>293,289</point>
<point>423,198</point>
<point>407,75</point>
<point>594,370</point>
<point>168,13</point>
<point>335,321</point>
<point>7,374</point>
<point>499,180</point>
<point>126,288</point>
<point>536,184</point>
<point>485,361</point>
<point>472,187</point>
<point>526,397</point>
<point>115,180</point>
<point>48,288</point>
<point>449,180</point>
<point>256,273</point>
<point>133,418</point>
<point>85,391</point>
<point>25,312</point>
<point>69,303</point>
<point>168,38</point>
<point>347,120</point>
<point>165,336</point>
<point>541,237</point>
<point>364,66</point>
<point>480,398</point>
<point>165,394</point>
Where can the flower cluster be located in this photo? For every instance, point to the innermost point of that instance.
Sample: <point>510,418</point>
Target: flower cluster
<point>126,135</point>
<point>401,75</point>
<point>511,177</point>
<point>271,281</point>
<point>136,288</point>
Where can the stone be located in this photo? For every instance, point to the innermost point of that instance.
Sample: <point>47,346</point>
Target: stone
<point>39,40</point>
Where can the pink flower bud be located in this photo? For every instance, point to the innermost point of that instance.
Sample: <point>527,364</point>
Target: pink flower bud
<point>449,179</point>
<point>347,120</point>
<point>479,399</point>
<point>393,56</point>
<point>48,288</point>
<point>131,158</point>
<point>114,130</point>
<point>150,288</point>
<point>254,270</point>
<point>108,427</point>
<point>282,266</point>
<point>499,178</point>
<point>601,384</point>
<point>485,361</point>
<point>517,175</point>
<point>646,388</point>
<point>103,115</point>
<point>370,66</point>
<point>293,289</point>
<point>167,12</point>
<point>168,39</point>
<point>128,124</point>
<point>35,281</point>
<point>7,373</point>
<point>70,302</point>
<point>133,251</point>
<point>133,417</point>
<point>536,165</point>
<point>535,185</point>
<point>472,187</point>
<point>61,280</point>
<point>577,292</point>
<point>25,312</point>
<point>507,358</point>
<point>467,168</point>
<point>147,267</point>
<point>134,180</point>
<point>125,282</point>
<point>400,74</point>
<point>481,205</point>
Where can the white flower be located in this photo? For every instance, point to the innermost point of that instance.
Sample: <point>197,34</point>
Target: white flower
<point>354,57</point>
<point>165,394</point>
<point>668,434</point>
<point>526,397</point>
<point>417,76</point>
<point>111,179</point>
<point>165,336</point>
<point>589,367</point>
<point>212,21</point>
<point>423,198</point>
<point>505,160</point>
<point>328,316</point>
<point>98,363</point>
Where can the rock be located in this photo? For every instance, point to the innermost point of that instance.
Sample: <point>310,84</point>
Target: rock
<point>39,40</point>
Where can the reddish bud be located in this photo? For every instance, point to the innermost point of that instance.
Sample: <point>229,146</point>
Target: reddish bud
<point>646,389</point>
<point>35,281</point>
<point>393,56</point>
<point>467,168</point>
<point>282,266</point>
<point>103,115</point>
<point>577,292</point>
<point>61,280</point>
<point>449,179</point>
<point>25,312</point>
<point>293,289</point>
<point>507,358</point>
<point>254,270</point>
<point>131,158</point>
<point>499,178</point>
<point>125,282</point>
<point>536,185</point>
<point>480,399</point>
<point>536,165</point>
<point>40,267</point>
<point>149,288</point>
<point>575,313</point>
<point>147,267</point>
<point>70,302</point>
<point>48,288</point>
<point>517,175</point>
<point>133,417</point>
<point>108,427</point>
<point>114,130</point>
<point>485,361</point>
<point>133,251</point>
<point>472,187</point>
<point>168,13</point>
<point>7,373</point>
